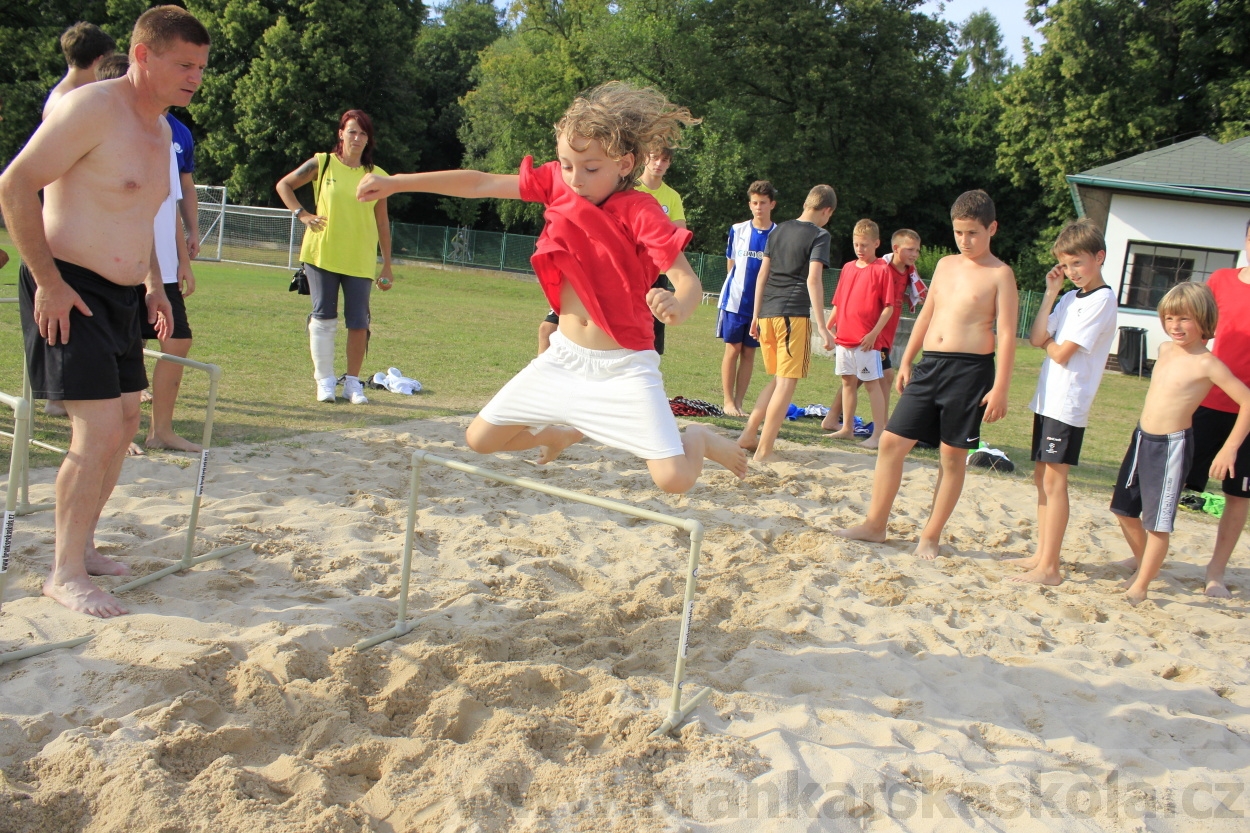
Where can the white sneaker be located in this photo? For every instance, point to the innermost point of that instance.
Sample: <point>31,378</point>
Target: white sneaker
<point>354,390</point>
<point>325,389</point>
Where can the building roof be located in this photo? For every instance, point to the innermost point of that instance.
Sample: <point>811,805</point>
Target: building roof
<point>1199,168</point>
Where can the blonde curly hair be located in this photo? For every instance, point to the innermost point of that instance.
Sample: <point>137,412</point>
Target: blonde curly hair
<point>625,119</point>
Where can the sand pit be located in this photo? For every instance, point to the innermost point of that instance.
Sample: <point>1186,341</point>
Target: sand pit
<point>854,686</point>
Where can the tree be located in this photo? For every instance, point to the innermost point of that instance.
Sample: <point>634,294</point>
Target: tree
<point>982,60</point>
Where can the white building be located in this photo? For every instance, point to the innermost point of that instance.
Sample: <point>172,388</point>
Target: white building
<point>1173,214</point>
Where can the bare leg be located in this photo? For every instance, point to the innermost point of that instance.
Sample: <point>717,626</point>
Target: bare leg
<point>54,407</point>
<point>850,401</point>
<point>1135,535</point>
<point>886,478</point>
<point>101,431</point>
<point>749,439</point>
<point>778,404</point>
<point>676,475</point>
<point>1028,562</point>
<point>1151,562</point>
<point>876,397</point>
<point>1052,523</point>
<point>746,366</point>
<point>545,329</point>
<point>357,344</point>
<point>729,377</point>
<point>833,421</point>
<point>166,380</point>
<point>1231,523</point>
<point>953,464</point>
<point>888,382</point>
<point>487,438</point>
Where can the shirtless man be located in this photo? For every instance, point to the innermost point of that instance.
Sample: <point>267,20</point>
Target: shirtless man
<point>84,250</point>
<point>957,384</point>
<point>84,45</point>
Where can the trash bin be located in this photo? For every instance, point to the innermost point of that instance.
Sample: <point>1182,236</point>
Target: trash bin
<point>1131,353</point>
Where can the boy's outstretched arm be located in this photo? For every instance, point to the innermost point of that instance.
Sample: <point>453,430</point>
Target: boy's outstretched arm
<point>466,183</point>
<point>1226,459</point>
<point>676,306</point>
<point>915,342</point>
<point>761,280</point>
<point>1007,316</point>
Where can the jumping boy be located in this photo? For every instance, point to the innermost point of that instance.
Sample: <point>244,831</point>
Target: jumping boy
<point>1077,337</point>
<point>787,289</point>
<point>863,305</point>
<point>957,385</point>
<point>1162,446</point>
<point>601,248</point>
<point>745,254</point>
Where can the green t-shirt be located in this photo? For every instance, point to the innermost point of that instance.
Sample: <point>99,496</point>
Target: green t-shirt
<point>668,199</point>
<point>349,243</point>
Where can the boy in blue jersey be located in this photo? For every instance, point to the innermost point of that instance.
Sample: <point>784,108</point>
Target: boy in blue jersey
<point>745,253</point>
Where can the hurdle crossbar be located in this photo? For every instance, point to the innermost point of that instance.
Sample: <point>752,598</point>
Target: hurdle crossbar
<point>21,411</point>
<point>214,376</point>
<point>677,710</point>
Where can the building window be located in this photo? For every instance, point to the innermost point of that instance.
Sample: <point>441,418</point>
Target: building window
<point>1150,270</point>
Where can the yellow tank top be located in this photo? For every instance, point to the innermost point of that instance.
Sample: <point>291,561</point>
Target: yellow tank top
<point>349,243</point>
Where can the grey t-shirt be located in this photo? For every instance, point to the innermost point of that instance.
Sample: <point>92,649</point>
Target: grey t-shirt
<point>791,247</point>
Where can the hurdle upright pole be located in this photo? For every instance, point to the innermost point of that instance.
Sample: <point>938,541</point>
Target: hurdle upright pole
<point>677,710</point>
<point>214,376</point>
<point>19,474</point>
<point>21,411</point>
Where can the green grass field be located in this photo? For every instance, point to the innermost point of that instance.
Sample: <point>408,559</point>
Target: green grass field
<point>463,334</point>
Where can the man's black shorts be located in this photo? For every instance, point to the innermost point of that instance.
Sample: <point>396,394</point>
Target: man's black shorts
<point>104,356</point>
<point>182,327</point>
<point>942,402</point>
<point>1211,430</point>
<point>1056,442</point>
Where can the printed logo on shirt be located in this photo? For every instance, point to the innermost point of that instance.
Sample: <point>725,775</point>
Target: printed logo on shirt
<point>665,207</point>
<point>177,148</point>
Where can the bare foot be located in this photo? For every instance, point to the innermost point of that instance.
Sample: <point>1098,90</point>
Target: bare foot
<point>1135,597</point>
<point>832,422</point>
<point>732,410</point>
<point>55,407</point>
<point>928,550</point>
<point>871,442</point>
<point>750,443</point>
<point>99,564</point>
<point>1038,576</point>
<point>171,442</point>
<point>135,450</point>
<point>723,450</point>
<point>842,434</point>
<point>1217,590</point>
<point>770,457</point>
<point>145,396</point>
<point>84,597</point>
<point>862,532</point>
<point>565,437</point>
<point>1128,564</point>
<point>1027,562</point>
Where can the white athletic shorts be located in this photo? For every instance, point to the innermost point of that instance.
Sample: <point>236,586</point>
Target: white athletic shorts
<point>615,397</point>
<point>864,364</point>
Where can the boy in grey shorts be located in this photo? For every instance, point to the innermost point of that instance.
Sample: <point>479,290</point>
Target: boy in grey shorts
<point>1158,457</point>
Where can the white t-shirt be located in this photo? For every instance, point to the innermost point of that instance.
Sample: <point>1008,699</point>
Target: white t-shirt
<point>166,227</point>
<point>1066,392</point>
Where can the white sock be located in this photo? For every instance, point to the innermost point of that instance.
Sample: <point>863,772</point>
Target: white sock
<point>321,344</point>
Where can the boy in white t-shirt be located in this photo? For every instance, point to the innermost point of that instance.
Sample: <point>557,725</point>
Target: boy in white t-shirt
<point>1077,337</point>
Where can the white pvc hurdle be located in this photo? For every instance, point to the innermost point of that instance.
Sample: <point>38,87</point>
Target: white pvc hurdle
<point>677,710</point>
<point>187,562</point>
<point>19,466</point>
<point>21,412</point>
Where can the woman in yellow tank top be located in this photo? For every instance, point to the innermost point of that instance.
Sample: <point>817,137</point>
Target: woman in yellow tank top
<point>340,250</point>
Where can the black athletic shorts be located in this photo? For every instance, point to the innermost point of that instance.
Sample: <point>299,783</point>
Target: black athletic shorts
<point>182,327</point>
<point>886,364</point>
<point>104,356</point>
<point>1211,430</point>
<point>552,318</point>
<point>942,402</point>
<point>1152,476</point>
<point>1056,442</point>
<point>660,283</point>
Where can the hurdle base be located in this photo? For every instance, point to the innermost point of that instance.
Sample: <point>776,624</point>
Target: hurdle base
<point>677,716</point>
<point>180,566</point>
<point>36,650</point>
<point>32,508</point>
<point>393,633</point>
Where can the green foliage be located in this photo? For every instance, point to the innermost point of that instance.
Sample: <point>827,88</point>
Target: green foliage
<point>928,260</point>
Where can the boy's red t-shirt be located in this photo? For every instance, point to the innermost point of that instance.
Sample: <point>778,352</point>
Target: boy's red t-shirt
<point>610,254</point>
<point>1232,332</point>
<point>861,295</point>
<point>900,281</point>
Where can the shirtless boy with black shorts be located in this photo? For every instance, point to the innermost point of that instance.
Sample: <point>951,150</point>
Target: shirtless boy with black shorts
<point>83,251</point>
<point>959,383</point>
